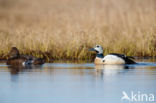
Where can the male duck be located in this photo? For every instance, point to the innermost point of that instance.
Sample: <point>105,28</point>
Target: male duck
<point>112,58</point>
<point>15,59</point>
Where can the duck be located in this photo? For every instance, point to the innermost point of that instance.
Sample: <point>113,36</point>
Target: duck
<point>112,58</point>
<point>16,59</point>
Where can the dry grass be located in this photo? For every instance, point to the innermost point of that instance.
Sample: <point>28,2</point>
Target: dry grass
<point>65,29</point>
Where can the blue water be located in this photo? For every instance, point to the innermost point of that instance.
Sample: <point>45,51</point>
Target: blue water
<point>76,83</point>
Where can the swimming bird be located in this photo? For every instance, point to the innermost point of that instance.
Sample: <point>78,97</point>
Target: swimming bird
<point>16,59</point>
<point>113,58</point>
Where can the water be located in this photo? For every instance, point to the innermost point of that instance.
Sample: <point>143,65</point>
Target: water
<point>76,83</point>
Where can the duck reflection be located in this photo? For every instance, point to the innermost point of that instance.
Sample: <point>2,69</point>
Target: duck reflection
<point>111,69</point>
<point>16,69</point>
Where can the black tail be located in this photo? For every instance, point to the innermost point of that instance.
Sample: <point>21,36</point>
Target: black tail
<point>129,60</point>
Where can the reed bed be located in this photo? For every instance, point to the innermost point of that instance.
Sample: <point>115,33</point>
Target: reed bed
<point>66,29</point>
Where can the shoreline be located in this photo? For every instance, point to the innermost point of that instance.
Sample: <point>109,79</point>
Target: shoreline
<point>150,58</point>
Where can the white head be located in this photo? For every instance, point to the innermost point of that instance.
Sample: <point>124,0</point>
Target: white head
<point>98,49</point>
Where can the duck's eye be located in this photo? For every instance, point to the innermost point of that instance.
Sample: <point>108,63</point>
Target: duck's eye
<point>97,46</point>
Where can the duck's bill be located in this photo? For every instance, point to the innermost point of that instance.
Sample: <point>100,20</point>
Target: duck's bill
<point>92,49</point>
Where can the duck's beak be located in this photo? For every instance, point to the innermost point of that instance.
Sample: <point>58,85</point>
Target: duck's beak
<point>92,49</point>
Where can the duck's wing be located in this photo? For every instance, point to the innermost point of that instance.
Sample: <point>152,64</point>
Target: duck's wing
<point>128,59</point>
<point>122,55</point>
<point>27,57</point>
<point>38,61</point>
<point>33,60</point>
<point>119,55</point>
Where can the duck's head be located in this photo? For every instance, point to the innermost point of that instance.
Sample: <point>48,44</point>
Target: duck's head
<point>98,49</point>
<point>14,52</point>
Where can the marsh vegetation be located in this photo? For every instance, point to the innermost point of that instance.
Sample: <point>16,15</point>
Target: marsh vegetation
<point>65,29</point>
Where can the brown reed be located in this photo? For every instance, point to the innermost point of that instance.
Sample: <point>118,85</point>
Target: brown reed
<point>66,29</point>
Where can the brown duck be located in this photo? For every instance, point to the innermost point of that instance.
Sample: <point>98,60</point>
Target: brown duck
<point>15,59</point>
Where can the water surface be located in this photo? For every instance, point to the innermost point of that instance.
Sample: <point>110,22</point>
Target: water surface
<point>76,82</point>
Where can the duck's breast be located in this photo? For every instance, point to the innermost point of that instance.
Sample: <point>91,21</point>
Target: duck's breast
<point>98,60</point>
<point>113,59</point>
<point>15,62</point>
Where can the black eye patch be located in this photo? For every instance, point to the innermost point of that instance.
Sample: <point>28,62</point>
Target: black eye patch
<point>97,46</point>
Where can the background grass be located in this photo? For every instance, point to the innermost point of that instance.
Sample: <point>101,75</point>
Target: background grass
<point>66,29</point>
